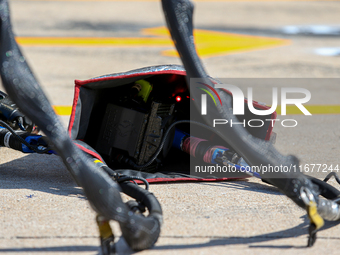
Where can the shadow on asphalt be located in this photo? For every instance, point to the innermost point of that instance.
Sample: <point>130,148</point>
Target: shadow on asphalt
<point>80,248</point>
<point>47,173</point>
<point>36,172</point>
<point>297,231</point>
<point>122,247</point>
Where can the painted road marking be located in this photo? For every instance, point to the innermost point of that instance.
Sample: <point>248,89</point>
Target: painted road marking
<point>62,110</point>
<point>208,43</point>
<point>291,109</point>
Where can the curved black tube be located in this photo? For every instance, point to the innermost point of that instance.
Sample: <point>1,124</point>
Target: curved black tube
<point>136,238</point>
<point>256,152</point>
<point>326,190</point>
<point>101,191</point>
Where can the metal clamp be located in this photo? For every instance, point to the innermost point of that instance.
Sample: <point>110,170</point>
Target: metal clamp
<point>316,221</point>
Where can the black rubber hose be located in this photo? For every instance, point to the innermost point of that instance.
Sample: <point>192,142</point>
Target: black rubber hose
<point>132,236</point>
<point>16,140</point>
<point>21,85</point>
<point>326,190</point>
<point>12,142</point>
<point>25,91</point>
<point>254,151</point>
<point>137,237</point>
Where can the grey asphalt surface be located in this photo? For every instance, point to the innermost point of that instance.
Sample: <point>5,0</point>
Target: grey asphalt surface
<point>42,211</point>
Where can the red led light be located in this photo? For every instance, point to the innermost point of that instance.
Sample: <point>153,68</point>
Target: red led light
<point>178,99</point>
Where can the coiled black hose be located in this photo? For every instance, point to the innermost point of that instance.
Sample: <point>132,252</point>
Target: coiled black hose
<point>102,192</point>
<point>134,236</point>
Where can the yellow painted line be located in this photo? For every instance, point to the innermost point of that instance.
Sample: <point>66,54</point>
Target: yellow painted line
<point>208,43</point>
<point>291,109</point>
<point>92,41</point>
<point>62,109</point>
<point>313,109</point>
<point>212,43</point>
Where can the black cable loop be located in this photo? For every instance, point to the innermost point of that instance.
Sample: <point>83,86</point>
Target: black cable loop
<point>132,178</point>
<point>330,175</point>
<point>121,178</point>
